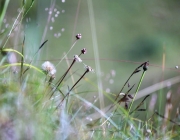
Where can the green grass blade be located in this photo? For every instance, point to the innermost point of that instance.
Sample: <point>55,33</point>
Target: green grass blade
<point>25,64</point>
<point>12,50</point>
<point>3,6</point>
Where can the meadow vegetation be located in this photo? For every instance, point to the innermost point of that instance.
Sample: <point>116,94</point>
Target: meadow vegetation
<point>43,101</point>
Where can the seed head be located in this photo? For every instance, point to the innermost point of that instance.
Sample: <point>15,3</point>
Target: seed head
<point>49,68</point>
<point>83,51</point>
<point>88,68</point>
<point>78,36</point>
<point>77,58</point>
<point>145,67</point>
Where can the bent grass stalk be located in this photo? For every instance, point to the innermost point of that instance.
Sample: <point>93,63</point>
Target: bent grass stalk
<point>25,64</point>
<point>142,76</point>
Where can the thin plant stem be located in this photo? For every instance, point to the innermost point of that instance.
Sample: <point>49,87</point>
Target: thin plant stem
<point>22,60</point>
<point>34,57</point>
<point>64,75</point>
<point>3,12</point>
<point>67,53</point>
<point>142,76</point>
<point>13,26</point>
<point>135,71</point>
<point>73,87</point>
<point>72,78</point>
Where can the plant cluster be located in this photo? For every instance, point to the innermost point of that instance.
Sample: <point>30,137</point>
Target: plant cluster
<point>36,104</point>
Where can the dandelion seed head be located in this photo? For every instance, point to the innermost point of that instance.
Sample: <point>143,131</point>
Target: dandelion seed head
<point>58,12</point>
<point>63,11</point>
<point>52,72</point>
<point>176,67</point>
<point>55,9</point>
<point>49,68</point>
<point>46,9</point>
<point>77,58</point>
<point>56,15</point>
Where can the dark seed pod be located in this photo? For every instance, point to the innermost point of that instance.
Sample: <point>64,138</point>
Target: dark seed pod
<point>141,109</point>
<point>83,51</point>
<point>130,96</point>
<point>145,67</point>
<point>126,105</point>
<point>137,71</point>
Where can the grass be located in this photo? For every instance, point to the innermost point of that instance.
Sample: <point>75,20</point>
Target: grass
<point>37,104</point>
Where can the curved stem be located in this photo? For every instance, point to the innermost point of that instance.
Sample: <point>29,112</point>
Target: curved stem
<point>142,76</point>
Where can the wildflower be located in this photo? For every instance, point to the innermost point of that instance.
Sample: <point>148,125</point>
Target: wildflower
<point>83,51</point>
<point>77,58</point>
<point>88,68</point>
<point>78,36</point>
<point>49,68</point>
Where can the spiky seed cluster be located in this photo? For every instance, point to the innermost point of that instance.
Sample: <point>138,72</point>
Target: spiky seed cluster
<point>83,51</point>
<point>77,58</point>
<point>49,68</point>
<point>145,67</point>
<point>78,36</point>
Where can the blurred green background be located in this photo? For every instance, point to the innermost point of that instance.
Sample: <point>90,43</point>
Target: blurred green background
<point>127,32</point>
